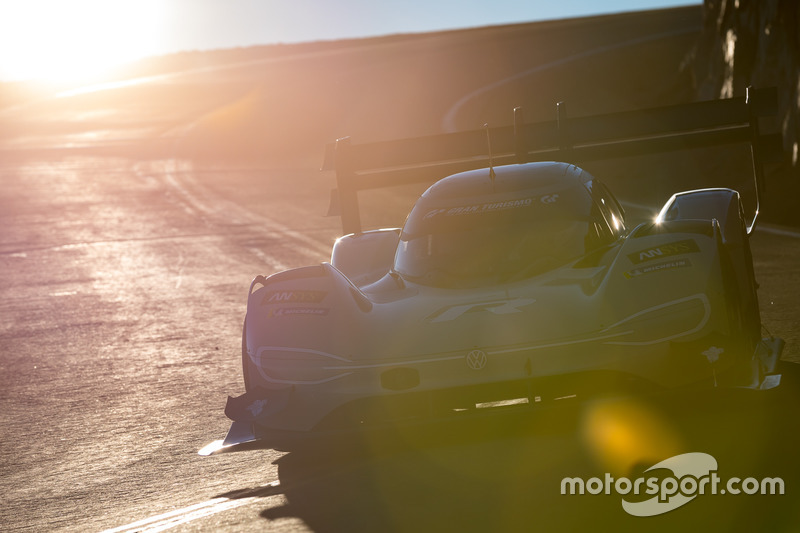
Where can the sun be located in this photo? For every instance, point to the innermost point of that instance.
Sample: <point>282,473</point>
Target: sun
<point>75,40</point>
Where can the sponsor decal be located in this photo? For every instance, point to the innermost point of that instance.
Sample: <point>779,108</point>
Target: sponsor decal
<point>664,250</point>
<point>658,267</point>
<point>692,474</point>
<point>476,359</point>
<point>285,297</point>
<point>289,311</point>
<point>487,207</point>
<point>433,212</point>
<point>256,407</point>
<point>549,198</point>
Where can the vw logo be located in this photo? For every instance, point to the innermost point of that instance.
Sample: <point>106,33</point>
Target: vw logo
<point>476,359</point>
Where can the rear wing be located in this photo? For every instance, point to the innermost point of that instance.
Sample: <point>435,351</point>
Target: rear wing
<point>661,129</point>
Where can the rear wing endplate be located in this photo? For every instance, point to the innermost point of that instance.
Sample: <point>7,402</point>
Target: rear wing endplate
<point>661,129</point>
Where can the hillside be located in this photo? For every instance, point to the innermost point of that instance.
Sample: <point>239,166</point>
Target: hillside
<point>277,106</point>
<point>277,103</point>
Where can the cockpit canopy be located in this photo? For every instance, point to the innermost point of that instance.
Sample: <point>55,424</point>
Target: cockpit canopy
<point>469,230</point>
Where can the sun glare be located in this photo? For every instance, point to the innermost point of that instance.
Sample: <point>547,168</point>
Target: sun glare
<point>75,40</point>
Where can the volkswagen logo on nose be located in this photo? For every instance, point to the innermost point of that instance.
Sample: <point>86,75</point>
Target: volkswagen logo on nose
<point>476,359</point>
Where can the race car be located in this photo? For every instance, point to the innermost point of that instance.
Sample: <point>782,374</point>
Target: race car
<point>510,286</point>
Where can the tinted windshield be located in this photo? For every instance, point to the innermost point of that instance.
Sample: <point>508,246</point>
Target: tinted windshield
<point>483,243</point>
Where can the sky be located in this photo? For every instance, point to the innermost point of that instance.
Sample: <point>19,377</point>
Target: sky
<point>70,40</point>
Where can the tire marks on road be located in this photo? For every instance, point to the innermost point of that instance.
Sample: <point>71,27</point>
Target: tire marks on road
<point>252,231</point>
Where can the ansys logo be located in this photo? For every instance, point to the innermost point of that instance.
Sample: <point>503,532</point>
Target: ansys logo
<point>693,474</point>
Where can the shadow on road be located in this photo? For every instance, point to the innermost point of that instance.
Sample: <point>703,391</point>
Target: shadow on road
<point>507,476</point>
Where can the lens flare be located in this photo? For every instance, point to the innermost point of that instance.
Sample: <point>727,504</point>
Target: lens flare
<point>622,434</point>
<point>58,41</point>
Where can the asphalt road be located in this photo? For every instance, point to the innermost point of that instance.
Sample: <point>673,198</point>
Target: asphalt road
<point>123,293</point>
<point>124,277</point>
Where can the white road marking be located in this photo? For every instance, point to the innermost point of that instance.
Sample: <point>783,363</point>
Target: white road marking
<point>175,518</point>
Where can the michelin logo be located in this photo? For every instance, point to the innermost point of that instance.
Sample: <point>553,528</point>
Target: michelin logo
<point>658,267</point>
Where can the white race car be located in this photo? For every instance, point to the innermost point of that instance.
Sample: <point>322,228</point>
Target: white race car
<point>510,287</point>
